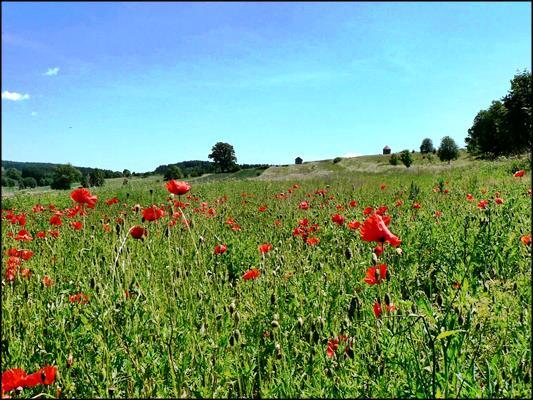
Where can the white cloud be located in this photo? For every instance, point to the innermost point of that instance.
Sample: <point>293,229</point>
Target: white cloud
<point>33,114</point>
<point>52,71</point>
<point>351,155</point>
<point>14,96</point>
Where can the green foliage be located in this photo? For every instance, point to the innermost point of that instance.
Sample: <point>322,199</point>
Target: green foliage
<point>414,191</point>
<point>223,156</point>
<point>448,149</point>
<point>173,172</point>
<point>406,158</point>
<point>337,160</point>
<point>14,174</point>
<point>64,176</point>
<point>426,146</point>
<point>394,160</point>
<point>8,182</point>
<point>126,173</point>
<point>30,182</point>
<point>505,127</point>
<point>97,178</point>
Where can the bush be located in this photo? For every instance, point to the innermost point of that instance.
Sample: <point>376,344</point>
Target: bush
<point>337,160</point>
<point>64,176</point>
<point>173,172</point>
<point>448,150</point>
<point>394,160</point>
<point>406,158</point>
<point>30,182</point>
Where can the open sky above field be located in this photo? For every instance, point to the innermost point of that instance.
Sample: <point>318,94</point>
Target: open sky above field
<point>136,85</point>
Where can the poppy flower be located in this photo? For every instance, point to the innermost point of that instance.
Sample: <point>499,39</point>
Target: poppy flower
<point>375,275</point>
<point>416,205</point>
<point>23,236</point>
<point>12,379</point>
<point>236,228</point>
<point>390,307</point>
<point>519,174</point>
<point>353,203</point>
<point>109,202</point>
<point>41,235</point>
<point>45,376</point>
<point>456,285</point>
<point>368,210</point>
<point>378,250</point>
<point>47,281</point>
<point>374,229</point>
<point>25,254</point>
<point>25,272</point>
<point>262,208</point>
<point>382,210</point>
<point>53,233</point>
<point>338,219</point>
<point>399,203</point>
<point>377,309</point>
<point>438,214</point>
<point>77,225</point>
<point>220,248</point>
<point>382,186</point>
<point>152,213</point>
<point>79,298</point>
<point>482,205</point>
<point>137,232</point>
<point>498,200</point>
<point>304,205</point>
<point>264,248</point>
<point>253,273</point>
<point>469,197</point>
<point>354,225</point>
<point>526,239</point>
<point>38,208</point>
<point>178,187</point>
<point>333,345</point>
<point>312,241</point>
<point>55,220</point>
<point>83,196</point>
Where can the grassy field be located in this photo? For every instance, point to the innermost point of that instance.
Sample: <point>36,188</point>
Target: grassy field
<point>166,316</point>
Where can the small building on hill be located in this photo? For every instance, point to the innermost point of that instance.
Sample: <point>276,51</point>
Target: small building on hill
<point>298,160</point>
<point>386,150</point>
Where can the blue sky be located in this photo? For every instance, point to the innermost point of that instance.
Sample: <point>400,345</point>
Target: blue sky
<point>136,85</point>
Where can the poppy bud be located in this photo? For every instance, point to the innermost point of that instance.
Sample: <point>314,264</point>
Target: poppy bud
<point>70,361</point>
<point>273,299</point>
<point>237,335</point>
<point>201,239</point>
<point>374,258</point>
<point>237,316</point>
<point>232,307</point>
<point>231,340</point>
<point>275,324</point>
<point>348,253</point>
<point>399,251</point>
<point>387,299</point>
<point>413,308</point>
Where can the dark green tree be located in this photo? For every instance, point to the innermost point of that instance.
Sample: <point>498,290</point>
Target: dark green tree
<point>14,174</point>
<point>64,176</point>
<point>173,172</point>
<point>394,160</point>
<point>30,182</point>
<point>426,146</point>
<point>126,173</point>
<point>223,156</point>
<point>448,149</point>
<point>406,158</point>
<point>97,178</point>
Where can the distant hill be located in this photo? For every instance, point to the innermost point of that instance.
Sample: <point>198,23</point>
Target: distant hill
<point>195,168</point>
<point>47,168</point>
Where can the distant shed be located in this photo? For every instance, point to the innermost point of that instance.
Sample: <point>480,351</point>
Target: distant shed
<point>386,150</point>
<point>298,160</point>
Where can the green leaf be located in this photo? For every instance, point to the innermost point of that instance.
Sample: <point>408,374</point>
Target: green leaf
<point>444,334</point>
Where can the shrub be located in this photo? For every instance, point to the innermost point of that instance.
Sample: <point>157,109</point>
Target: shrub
<point>394,160</point>
<point>337,160</point>
<point>406,158</point>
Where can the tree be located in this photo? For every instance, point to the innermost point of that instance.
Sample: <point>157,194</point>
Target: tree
<point>14,174</point>
<point>448,150</point>
<point>426,146</point>
<point>393,160</point>
<point>97,178</point>
<point>223,156</point>
<point>30,182</point>
<point>405,158</point>
<point>518,105</point>
<point>126,173</point>
<point>64,176</point>
<point>173,172</point>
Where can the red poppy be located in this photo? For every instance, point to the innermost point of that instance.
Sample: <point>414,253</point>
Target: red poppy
<point>456,285</point>
<point>220,248</point>
<point>253,273</point>
<point>109,202</point>
<point>382,210</point>
<point>79,298</point>
<point>12,379</point>
<point>304,205</point>
<point>25,254</point>
<point>152,213</point>
<point>416,205</point>
<point>230,221</point>
<point>353,203</point>
<point>375,275</point>
<point>438,214</point>
<point>498,200</point>
<point>45,376</point>
<point>236,228</point>
<point>399,203</point>
<point>338,219</point>
<point>54,233</point>
<point>137,232</point>
<point>178,187</point>
<point>519,174</point>
<point>83,196</point>
<point>38,208</point>
<point>312,241</point>
<point>374,229</point>
<point>41,235</point>
<point>377,309</point>
<point>55,220</point>
<point>333,345</point>
<point>482,205</point>
<point>383,186</point>
<point>77,225</point>
<point>25,272</point>
<point>368,210</point>
<point>354,225</point>
<point>264,248</point>
<point>47,281</point>
<point>378,250</point>
<point>526,239</point>
<point>469,197</point>
<point>390,307</point>
<point>23,236</point>
<point>262,208</point>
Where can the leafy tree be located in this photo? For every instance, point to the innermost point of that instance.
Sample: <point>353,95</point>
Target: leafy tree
<point>223,156</point>
<point>173,172</point>
<point>448,149</point>
<point>30,182</point>
<point>97,178</point>
<point>126,173</point>
<point>518,105</point>
<point>64,176</point>
<point>426,146</point>
<point>45,181</point>
<point>406,158</point>
<point>14,173</point>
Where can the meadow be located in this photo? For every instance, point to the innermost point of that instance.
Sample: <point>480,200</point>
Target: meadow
<point>258,287</point>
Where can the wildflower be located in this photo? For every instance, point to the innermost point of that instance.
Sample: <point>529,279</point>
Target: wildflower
<point>333,345</point>
<point>374,229</point>
<point>526,239</point>
<point>399,203</point>
<point>312,241</point>
<point>377,309</point>
<point>137,232</point>
<point>382,186</point>
<point>469,197</point>
<point>109,202</point>
<point>47,281</point>
<point>253,273</point>
<point>519,174</point>
<point>374,275</point>
<point>262,208</point>
<point>338,219</point>
<point>264,248</point>
<point>77,225</point>
<point>220,248</point>
<point>498,200</point>
<point>368,210</point>
<point>152,213</point>
<point>353,203</point>
<point>416,205</point>
<point>17,377</point>
<point>55,220</point>
<point>354,225</point>
<point>304,205</point>
<point>438,214</point>
<point>178,187</point>
<point>23,236</point>
<point>79,298</point>
<point>83,196</point>
<point>41,235</point>
<point>482,205</point>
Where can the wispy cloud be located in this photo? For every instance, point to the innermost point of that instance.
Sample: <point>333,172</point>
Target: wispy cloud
<point>14,96</point>
<point>52,71</point>
<point>33,114</point>
<point>351,155</point>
